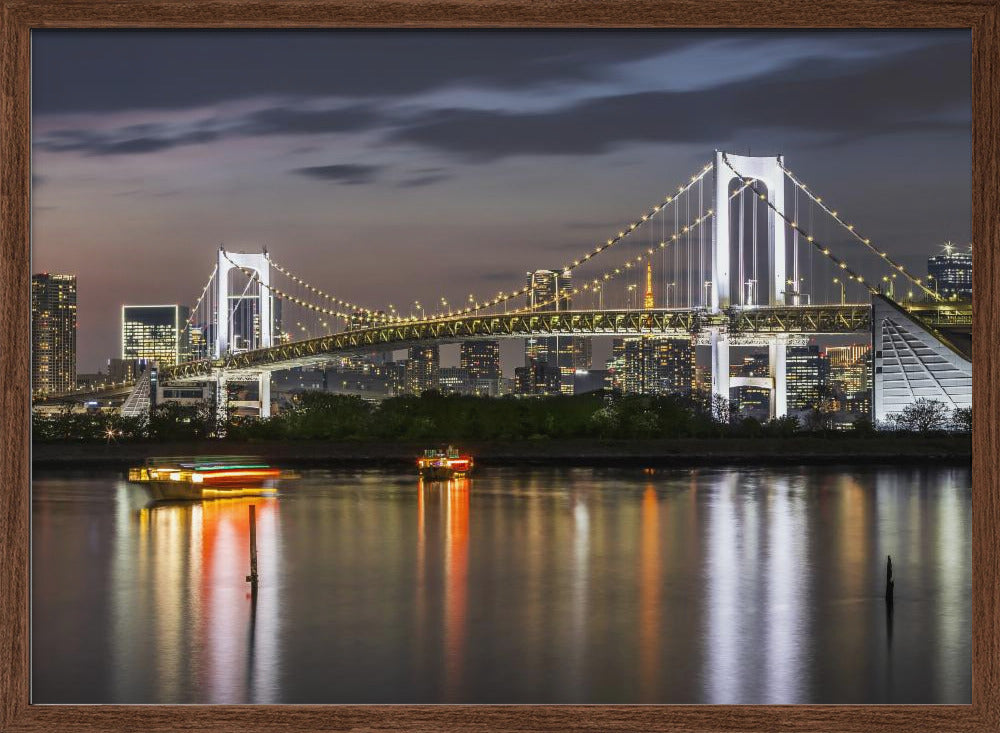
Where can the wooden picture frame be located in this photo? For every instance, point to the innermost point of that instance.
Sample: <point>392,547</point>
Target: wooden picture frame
<point>19,17</point>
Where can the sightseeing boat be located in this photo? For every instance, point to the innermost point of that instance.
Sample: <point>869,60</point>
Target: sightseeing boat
<point>206,477</point>
<point>444,464</point>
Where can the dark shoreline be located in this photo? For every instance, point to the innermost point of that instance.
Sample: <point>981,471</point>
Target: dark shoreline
<point>951,450</point>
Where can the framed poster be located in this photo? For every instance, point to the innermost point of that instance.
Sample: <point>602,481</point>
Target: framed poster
<point>501,366</point>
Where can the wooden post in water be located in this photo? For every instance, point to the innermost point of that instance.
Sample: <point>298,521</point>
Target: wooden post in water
<point>252,577</point>
<point>889,582</point>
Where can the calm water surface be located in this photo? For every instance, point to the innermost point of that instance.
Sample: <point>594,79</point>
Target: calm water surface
<point>542,585</point>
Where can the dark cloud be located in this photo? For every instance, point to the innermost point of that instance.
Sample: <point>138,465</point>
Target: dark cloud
<point>916,90</point>
<point>153,138</point>
<point>345,173</point>
<point>120,142</point>
<point>181,69</point>
<point>290,121</point>
<point>421,181</point>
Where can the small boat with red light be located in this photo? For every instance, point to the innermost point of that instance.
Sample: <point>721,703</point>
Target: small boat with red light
<point>444,464</point>
<point>206,477</point>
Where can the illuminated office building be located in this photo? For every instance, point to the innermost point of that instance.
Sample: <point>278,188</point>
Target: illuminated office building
<point>805,370</point>
<point>422,364</point>
<point>551,290</point>
<point>850,377</point>
<point>155,333</point>
<point>951,273</point>
<point>481,359</point>
<point>53,333</point>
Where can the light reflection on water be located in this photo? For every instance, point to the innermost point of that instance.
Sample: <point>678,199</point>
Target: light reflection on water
<point>577,585</point>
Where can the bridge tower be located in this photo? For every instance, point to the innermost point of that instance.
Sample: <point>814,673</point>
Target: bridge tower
<point>259,264</point>
<point>768,171</point>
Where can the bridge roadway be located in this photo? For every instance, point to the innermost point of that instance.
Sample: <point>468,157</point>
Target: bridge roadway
<point>764,320</point>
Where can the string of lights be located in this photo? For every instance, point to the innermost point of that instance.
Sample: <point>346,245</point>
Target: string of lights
<point>610,275</point>
<point>197,305</point>
<point>586,257</point>
<point>825,251</point>
<point>254,276</point>
<point>321,293</point>
<point>863,240</point>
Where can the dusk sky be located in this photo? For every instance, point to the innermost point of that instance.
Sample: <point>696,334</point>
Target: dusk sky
<point>395,166</point>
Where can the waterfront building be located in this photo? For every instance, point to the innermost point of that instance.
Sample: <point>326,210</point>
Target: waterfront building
<point>805,370</point>
<point>422,364</point>
<point>661,366</point>
<point>750,400</point>
<point>850,377</point>
<point>615,378</point>
<point>537,378</point>
<point>481,360</point>
<point>155,333</point>
<point>551,290</point>
<point>951,273</point>
<point>454,380</point>
<point>53,333</point>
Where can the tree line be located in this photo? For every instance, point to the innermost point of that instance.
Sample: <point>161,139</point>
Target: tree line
<point>439,418</point>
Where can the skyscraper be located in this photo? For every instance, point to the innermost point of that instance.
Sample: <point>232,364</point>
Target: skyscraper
<point>750,400</point>
<point>662,366</point>
<point>481,359</point>
<point>551,290</point>
<point>537,378</point>
<point>850,376</point>
<point>53,332</point>
<point>654,364</point>
<point>422,368</point>
<point>155,332</point>
<point>951,273</point>
<point>805,370</point>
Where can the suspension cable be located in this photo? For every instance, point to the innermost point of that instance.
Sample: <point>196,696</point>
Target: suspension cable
<point>608,244</point>
<point>863,240</point>
<point>610,274</point>
<point>795,225</point>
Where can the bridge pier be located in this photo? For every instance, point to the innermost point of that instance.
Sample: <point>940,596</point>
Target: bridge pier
<point>719,343</point>
<point>264,393</point>
<point>777,352</point>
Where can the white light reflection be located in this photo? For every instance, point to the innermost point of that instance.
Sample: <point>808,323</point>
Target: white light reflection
<point>952,670</point>
<point>580,593</point>
<point>723,604</point>
<point>787,577</point>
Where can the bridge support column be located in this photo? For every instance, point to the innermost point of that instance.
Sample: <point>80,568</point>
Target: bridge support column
<point>777,351</point>
<point>767,171</point>
<point>719,341</point>
<point>264,393</point>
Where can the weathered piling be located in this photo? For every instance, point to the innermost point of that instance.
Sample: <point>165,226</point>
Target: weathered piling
<point>889,582</point>
<point>252,577</point>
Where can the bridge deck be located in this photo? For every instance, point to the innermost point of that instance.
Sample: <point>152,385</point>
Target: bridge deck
<point>763,320</point>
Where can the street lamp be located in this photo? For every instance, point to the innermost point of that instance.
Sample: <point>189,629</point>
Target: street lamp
<point>667,289</point>
<point>628,297</point>
<point>840,282</point>
<point>708,292</point>
<point>417,305</point>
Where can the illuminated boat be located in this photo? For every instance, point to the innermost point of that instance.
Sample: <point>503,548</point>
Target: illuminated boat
<point>208,477</point>
<point>444,464</point>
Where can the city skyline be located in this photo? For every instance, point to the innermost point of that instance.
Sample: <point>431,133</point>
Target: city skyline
<point>529,151</point>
